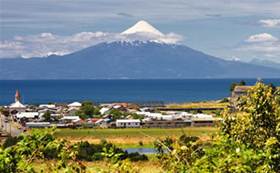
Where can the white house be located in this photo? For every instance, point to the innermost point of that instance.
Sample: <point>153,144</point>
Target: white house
<point>128,123</point>
<point>51,106</point>
<point>103,122</point>
<point>104,110</point>
<point>202,120</point>
<point>202,116</point>
<point>30,115</point>
<point>75,105</point>
<point>71,118</point>
<point>37,124</point>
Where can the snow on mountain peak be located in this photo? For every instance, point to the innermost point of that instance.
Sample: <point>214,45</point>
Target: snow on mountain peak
<point>47,44</point>
<point>142,27</point>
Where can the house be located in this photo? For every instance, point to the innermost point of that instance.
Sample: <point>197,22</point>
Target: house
<point>240,91</point>
<point>236,94</point>
<point>37,124</point>
<point>202,120</point>
<point>50,106</point>
<point>104,110</point>
<point>70,119</point>
<point>128,123</point>
<point>74,105</point>
<point>27,115</point>
<point>149,123</point>
<point>103,122</point>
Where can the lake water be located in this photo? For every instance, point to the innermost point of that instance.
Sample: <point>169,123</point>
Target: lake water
<point>141,150</point>
<point>139,91</point>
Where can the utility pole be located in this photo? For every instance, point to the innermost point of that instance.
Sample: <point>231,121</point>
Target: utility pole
<point>1,123</point>
<point>10,123</point>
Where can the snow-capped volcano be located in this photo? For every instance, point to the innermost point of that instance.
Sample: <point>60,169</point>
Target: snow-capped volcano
<point>142,27</point>
<point>131,60</point>
<point>47,44</point>
<point>143,31</point>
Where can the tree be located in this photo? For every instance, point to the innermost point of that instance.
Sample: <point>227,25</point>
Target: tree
<point>47,116</point>
<point>117,114</point>
<point>87,110</point>
<point>233,85</point>
<point>250,137</point>
<point>242,83</point>
<point>257,117</point>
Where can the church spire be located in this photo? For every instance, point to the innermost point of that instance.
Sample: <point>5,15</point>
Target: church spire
<point>17,96</point>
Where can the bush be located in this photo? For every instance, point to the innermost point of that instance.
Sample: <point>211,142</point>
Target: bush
<point>104,150</point>
<point>249,139</point>
<point>186,140</point>
<point>32,147</point>
<point>137,157</point>
<point>10,141</point>
<point>162,146</point>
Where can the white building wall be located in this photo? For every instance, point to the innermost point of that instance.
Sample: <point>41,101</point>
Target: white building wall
<point>127,123</point>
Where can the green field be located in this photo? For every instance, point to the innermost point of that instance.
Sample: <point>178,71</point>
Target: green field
<point>192,105</point>
<point>132,137</point>
<point>150,166</point>
<point>135,132</point>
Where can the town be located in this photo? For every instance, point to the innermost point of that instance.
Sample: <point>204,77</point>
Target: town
<point>89,115</point>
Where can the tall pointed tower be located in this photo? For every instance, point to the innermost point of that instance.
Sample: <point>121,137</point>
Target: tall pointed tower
<point>17,96</point>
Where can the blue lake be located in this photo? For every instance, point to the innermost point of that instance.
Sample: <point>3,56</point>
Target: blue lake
<point>140,91</point>
<point>141,150</point>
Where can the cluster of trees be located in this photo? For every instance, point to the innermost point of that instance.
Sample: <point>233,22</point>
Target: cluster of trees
<point>233,85</point>
<point>118,114</point>
<point>248,141</point>
<point>88,110</point>
<point>47,117</point>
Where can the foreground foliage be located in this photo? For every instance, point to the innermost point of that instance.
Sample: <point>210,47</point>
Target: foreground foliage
<point>249,139</point>
<point>105,150</point>
<point>36,146</point>
<point>18,154</point>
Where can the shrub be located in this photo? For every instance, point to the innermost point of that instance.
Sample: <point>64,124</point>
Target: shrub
<point>137,157</point>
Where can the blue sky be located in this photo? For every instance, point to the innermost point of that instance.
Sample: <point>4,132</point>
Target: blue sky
<point>230,29</point>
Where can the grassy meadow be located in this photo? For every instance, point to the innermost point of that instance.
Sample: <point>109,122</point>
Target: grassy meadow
<point>193,105</point>
<point>151,166</point>
<point>132,137</point>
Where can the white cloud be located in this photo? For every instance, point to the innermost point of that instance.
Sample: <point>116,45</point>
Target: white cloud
<point>263,37</point>
<point>46,44</point>
<point>270,23</point>
<point>262,45</point>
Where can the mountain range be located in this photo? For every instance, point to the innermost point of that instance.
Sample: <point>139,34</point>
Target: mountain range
<point>266,63</point>
<point>148,59</point>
